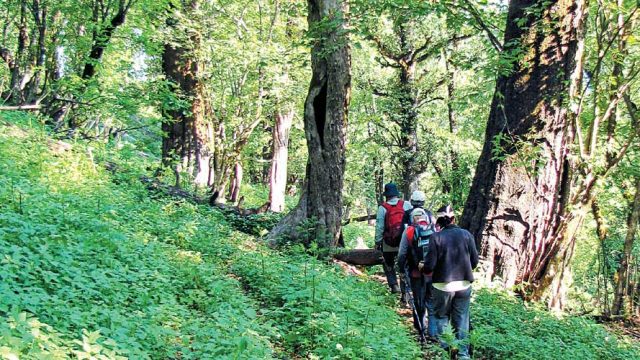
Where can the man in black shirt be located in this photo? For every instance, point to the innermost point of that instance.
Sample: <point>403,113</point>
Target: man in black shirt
<point>452,257</point>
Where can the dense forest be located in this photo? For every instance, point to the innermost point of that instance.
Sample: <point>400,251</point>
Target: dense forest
<point>199,179</point>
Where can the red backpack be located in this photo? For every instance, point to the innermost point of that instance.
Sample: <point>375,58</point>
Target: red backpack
<point>393,226</point>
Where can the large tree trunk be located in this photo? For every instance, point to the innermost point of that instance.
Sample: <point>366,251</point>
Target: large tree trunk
<point>517,207</point>
<point>622,283</point>
<point>278,174</point>
<point>325,121</point>
<point>408,108</point>
<point>186,144</point>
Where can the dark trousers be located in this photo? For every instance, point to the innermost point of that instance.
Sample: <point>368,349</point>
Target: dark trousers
<point>389,267</point>
<point>423,303</point>
<point>454,307</point>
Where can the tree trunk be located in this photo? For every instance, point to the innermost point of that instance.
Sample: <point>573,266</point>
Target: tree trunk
<point>39,12</point>
<point>278,174</point>
<point>325,121</point>
<point>622,284</point>
<point>517,206</point>
<point>236,183</point>
<point>408,128</point>
<point>186,144</point>
<point>102,37</point>
<point>455,181</point>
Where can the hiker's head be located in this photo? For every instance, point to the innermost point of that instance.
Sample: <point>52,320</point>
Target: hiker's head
<point>445,216</point>
<point>418,215</point>
<point>390,191</point>
<point>417,199</point>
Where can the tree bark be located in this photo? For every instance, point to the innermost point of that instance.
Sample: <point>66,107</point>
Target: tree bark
<point>102,37</point>
<point>517,206</point>
<point>622,284</point>
<point>186,144</point>
<point>278,173</point>
<point>325,121</point>
<point>39,12</point>
<point>236,183</point>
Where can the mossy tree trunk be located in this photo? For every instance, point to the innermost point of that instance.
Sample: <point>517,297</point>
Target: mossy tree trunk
<point>325,122</point>
<point>518,204</point>
<point>186,144</point>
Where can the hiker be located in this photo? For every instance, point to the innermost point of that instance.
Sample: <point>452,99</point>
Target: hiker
<point>452,256</point>
<point>413,247</point>
<point>389,230</point>
<point>417,201</point>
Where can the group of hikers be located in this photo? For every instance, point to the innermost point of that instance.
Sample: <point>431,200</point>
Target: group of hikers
<point>435,258</point>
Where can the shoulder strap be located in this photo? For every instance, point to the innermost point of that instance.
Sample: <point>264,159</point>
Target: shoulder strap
<point>411,230</point>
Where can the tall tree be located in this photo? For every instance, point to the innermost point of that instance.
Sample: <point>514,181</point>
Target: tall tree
<point>518,205</point>
<point>325,122</point>
<point>186,144</point>
<point>403,53</point>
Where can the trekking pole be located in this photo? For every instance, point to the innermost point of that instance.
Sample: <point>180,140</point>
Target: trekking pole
<point>413,308</point>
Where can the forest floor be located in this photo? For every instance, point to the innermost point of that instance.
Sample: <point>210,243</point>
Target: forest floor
<point>630,327</point>
<point>403,309</point>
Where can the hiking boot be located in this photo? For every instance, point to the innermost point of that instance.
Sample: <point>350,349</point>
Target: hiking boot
<point>395,289</point>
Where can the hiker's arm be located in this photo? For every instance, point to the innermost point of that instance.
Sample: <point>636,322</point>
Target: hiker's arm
<point>473,252</point>
<point>380,224</point>
<point>402,251</point>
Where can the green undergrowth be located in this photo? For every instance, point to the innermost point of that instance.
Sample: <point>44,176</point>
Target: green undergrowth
<point>91,268</point>
<point>506,328</point>
<point>321,312</point>
<point>92,265</point>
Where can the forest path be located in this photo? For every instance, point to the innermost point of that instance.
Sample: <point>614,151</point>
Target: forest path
<point>429,350</point>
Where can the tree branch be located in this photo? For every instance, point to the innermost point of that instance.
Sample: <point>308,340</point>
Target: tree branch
<point>383,49</point>
<point>21,107</point>
<point>633,113</point>
<point>483,26</point>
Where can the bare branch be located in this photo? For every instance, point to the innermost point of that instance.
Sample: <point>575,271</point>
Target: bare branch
<point>383,49</point>
<point>471,9</point>
<point>21,107</point>
<point>633,113</point>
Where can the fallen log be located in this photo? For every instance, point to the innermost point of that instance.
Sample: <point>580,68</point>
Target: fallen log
<point>158,186</point>
<point>364,257</point>
<point>360,218</point>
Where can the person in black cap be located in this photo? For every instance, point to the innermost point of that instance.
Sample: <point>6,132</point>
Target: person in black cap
<point>389,228</point>
<point>452,256</point>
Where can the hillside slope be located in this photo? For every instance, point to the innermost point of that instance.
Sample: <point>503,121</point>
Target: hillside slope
<point>93,264</point>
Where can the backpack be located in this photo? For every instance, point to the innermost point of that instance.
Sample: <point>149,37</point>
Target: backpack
<point>420,242</point>
<point>393,226</point>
